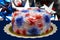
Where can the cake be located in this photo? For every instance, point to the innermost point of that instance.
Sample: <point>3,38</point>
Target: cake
<point>31,21</point>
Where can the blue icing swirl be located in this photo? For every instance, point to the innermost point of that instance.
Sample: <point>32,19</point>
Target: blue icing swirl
<point>25,11</point>
<point>47,18</point>
<point>19,21</point>
<point>34,31</point>
<point>38,10</point>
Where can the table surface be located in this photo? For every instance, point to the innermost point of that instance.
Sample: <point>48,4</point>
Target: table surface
<point>4,36</point>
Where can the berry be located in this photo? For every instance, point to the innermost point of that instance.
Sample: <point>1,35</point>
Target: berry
<point>19,21</point>
<point>34,31</point>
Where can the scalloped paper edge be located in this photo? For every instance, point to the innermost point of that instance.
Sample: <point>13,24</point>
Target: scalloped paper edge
<point>6,30</point>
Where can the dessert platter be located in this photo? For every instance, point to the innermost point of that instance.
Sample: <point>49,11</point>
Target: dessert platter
<point>31,22</point>
<point>8,30</point>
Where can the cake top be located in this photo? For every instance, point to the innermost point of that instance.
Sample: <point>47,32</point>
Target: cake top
<point>30,14</point>
<point>29,11</point>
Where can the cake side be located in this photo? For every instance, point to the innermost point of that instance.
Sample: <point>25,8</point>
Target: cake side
<point>31,21</point>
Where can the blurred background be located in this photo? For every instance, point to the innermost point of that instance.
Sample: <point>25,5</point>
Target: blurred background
<point>6,8</point>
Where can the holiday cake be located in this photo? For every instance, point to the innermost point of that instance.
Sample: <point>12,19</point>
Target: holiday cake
<point>32,21</point>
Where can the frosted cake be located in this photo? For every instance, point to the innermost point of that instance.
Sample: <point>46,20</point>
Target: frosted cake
<point>32,21</point>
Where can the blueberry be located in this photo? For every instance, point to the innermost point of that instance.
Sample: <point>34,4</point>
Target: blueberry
<point>47,18</point>
<point>19,21</point>
<point>34,31</point>
<point>24,10</point>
